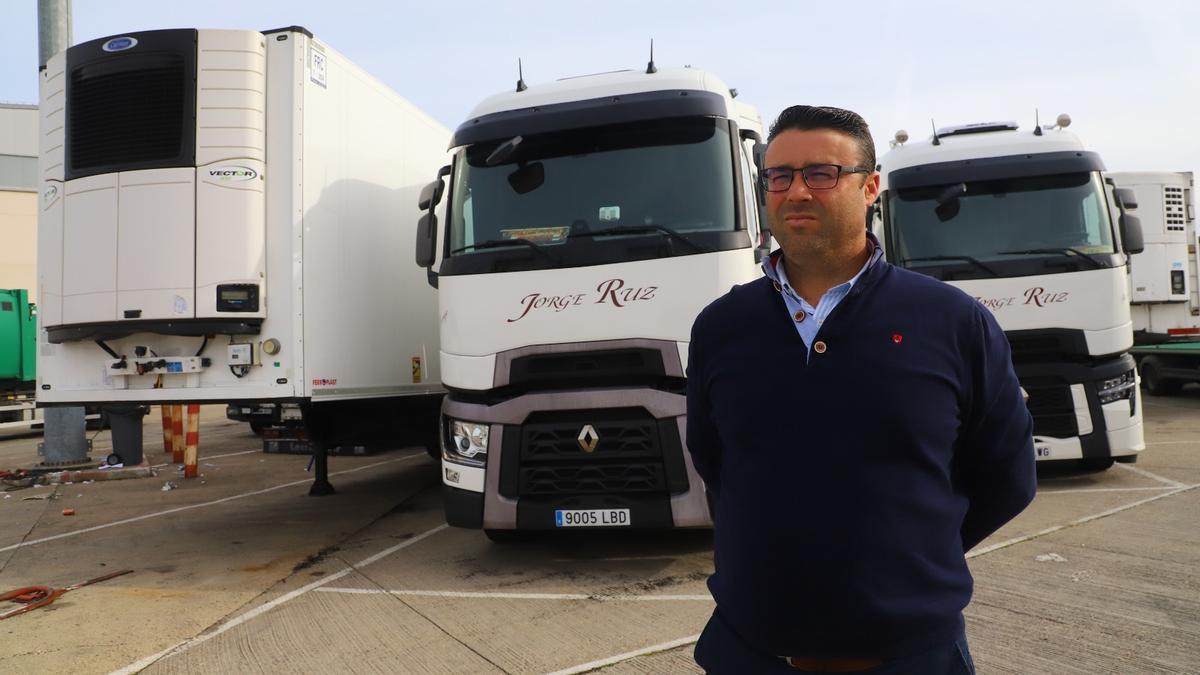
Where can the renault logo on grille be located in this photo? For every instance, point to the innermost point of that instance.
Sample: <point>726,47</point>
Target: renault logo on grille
<point>588,438</point>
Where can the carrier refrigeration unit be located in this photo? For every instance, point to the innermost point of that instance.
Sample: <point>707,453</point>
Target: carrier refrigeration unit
<point>227,215</point>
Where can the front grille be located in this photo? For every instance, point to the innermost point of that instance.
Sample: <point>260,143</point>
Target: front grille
<point>579,479</point>
<point>1053,410</point>
<point>579,368</point>
<point>629,434</point>
<point>1040,345</point>
<point>127,118</point>
<point>634,454</point>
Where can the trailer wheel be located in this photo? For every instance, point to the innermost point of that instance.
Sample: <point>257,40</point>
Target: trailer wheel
<point>1155,383</point>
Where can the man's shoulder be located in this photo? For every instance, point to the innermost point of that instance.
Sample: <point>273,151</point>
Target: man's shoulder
<point>925,290</point>
<point>741,301</point>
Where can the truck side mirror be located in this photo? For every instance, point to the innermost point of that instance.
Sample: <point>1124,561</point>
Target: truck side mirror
<point>431,194</point>
<point>1126,198</point>
<point>426,248</point>
<point>1131,233</point>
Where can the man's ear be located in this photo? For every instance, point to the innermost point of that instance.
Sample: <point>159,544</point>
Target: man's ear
<point>871,187</point>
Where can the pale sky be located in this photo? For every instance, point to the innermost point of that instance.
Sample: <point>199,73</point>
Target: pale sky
<point>1125,71</point>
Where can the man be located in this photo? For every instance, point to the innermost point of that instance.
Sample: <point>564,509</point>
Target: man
<point>885,437</point>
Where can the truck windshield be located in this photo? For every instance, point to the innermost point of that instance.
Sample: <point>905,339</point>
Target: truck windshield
<point>595,195</point>
<point>1003,228</point>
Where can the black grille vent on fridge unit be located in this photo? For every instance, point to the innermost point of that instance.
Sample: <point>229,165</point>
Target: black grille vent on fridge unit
<point>133,109</point>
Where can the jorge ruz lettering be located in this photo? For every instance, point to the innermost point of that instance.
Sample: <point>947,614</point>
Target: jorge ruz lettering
<point>1036,296</point>
<point>613,292</point>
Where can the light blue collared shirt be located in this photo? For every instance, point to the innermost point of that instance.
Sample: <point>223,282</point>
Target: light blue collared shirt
<point>808,319</point>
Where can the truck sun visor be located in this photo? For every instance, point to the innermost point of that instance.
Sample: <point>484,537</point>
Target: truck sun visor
<point>994,168</point>
<point>591,112</point>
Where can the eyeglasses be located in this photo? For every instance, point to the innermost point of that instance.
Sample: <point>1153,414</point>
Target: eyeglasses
<point>816,176</point>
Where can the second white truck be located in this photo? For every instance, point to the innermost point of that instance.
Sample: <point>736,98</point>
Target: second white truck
<point>1024,222</point>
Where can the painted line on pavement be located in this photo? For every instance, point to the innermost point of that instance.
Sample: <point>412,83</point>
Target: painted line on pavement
<point>1136,489</point>
<point>593,665</point>
<point>1142,472</point>
<point>627,558</point>
<point>204,459</point>
<point>1149,443</point>
<point>1086,519</point>
<point>600,597</point>
<point>187,644</point>
<point>189,507</point>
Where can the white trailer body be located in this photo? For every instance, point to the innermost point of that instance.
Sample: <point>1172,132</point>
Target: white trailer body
<point>1165,296</point>
<point>589,221</point>
<point>1163,280</point>
<point>1024,223</point>
<point>228,215</point>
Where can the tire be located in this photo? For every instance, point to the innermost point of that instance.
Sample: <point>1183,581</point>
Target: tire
<point>1155,383</point>
<point>433,445</point>
<point>508,536</point>
<point>1096,464</point>
<point>258,427</point>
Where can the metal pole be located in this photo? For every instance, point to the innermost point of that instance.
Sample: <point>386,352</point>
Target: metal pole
<point>54,28</point>
<point>65,437</point>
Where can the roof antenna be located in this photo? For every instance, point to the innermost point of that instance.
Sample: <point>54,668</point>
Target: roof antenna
<point>1037,123</point>
<point>521,86</point>
<point>650,69</point>
<point>936,140</point>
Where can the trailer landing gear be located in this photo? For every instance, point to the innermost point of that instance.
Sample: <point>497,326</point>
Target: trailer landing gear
<point>321,485</point>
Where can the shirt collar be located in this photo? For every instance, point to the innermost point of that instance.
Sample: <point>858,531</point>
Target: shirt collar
<point>778,276</point>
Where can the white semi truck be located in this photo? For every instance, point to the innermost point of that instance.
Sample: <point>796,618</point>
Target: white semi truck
<point>1023,221</point>
<point>588,222</point>
<point>227,215</point>
<point>1165,294</point>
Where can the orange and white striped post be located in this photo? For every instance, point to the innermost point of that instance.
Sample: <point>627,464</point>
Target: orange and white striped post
<point>191,455</point>
<point>167,426</point>
<point>177,434</point>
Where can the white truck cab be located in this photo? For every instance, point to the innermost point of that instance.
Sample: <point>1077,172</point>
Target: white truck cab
<point>588,223</point>
<point>1024,222</point>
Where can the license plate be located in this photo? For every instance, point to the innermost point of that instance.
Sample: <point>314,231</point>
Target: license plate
<point>591,518</point>
<point>1042,451</point>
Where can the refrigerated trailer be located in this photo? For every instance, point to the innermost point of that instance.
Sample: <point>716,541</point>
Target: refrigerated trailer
<point>1165,295</point>
<point>227,215</point>
<point>1023,221</point>
<point>589,221</point>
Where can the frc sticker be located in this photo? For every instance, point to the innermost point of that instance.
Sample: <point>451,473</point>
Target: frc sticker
<point>325,382</point>
<point>318,67</point>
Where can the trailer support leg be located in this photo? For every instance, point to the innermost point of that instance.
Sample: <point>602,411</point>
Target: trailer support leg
<point>321,485</point>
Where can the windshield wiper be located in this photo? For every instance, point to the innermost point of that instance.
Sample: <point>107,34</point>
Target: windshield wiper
<point>643,229</point>
<point>500,243</point>
<point>967,258</point>
<point>1066,250</point>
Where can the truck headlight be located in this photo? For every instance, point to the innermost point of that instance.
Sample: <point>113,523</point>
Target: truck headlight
<point>467,443</point>
<point>1117,388</point>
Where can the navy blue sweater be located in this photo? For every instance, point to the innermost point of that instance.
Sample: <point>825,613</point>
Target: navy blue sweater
<point>849,484</point>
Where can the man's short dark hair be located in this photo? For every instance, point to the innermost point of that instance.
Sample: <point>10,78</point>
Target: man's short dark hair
<point>806,117</point>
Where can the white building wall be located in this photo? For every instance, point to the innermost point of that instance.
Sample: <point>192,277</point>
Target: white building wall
<point>18,197</point>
